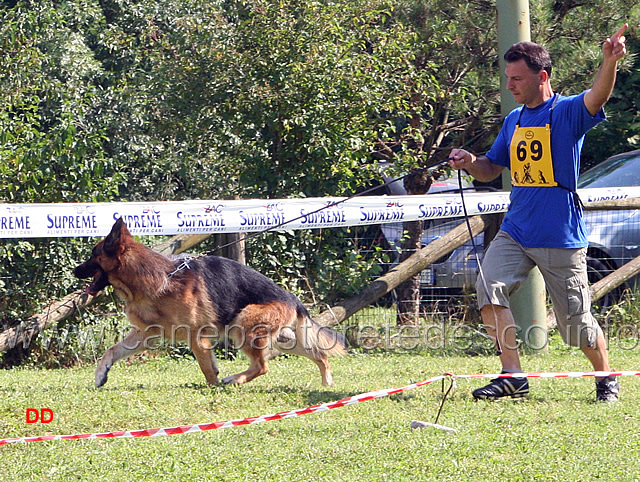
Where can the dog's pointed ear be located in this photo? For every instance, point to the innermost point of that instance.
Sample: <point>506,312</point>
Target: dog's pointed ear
<point>114,242</point>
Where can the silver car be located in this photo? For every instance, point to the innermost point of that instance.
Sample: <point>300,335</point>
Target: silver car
<point>614,236</point>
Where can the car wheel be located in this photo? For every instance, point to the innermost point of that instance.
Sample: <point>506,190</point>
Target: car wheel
<point>596,270</point>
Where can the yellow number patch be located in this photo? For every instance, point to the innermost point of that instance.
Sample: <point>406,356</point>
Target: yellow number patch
<point>531,162</point>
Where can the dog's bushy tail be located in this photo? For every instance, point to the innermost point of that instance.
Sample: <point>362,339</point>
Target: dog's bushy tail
<point>313,337</point>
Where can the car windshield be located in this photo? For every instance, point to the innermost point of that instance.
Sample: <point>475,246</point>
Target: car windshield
<point>617,171</point>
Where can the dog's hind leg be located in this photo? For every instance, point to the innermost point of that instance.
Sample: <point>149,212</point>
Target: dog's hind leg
<point>316,355</point>
<point>132,344</point>
<point>254,340</point>
<point>257,366</point>
<point>314,342</point>
<point>322,361</point>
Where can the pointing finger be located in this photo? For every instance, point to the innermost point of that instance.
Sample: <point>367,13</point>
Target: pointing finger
<point>616,36</point>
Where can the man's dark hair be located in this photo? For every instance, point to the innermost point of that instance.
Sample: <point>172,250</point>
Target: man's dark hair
<point>535,56</point>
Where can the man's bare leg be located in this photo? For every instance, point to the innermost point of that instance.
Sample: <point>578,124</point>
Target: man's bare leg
<point>598,355</point>
<point>499,322</point>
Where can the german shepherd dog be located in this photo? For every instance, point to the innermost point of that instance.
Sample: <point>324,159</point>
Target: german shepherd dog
<point>211,299</point>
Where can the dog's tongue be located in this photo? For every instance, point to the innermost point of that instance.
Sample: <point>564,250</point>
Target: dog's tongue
<point>89,291</point>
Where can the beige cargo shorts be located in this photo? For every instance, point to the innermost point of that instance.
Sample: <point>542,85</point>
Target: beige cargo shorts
<point>506,265</point>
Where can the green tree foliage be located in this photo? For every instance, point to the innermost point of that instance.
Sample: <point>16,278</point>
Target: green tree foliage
<point>621,131</point>
<point>282,98</point>
<point>51,149</point>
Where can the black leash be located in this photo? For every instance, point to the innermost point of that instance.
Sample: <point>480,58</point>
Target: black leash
<point>328,206</point>
<point>475,252</point>
<point>186,261</point>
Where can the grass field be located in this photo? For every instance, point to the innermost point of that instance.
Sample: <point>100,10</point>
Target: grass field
<point>559,433</point>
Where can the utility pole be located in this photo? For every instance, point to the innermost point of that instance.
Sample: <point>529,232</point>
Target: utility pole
<point>528,304</point>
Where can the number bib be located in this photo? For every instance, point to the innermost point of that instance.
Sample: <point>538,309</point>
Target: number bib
<point>531,162</point>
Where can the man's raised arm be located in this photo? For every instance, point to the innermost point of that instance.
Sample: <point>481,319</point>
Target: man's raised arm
<point>613,49</point>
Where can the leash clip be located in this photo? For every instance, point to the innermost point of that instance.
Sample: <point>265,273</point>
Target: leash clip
<point>183,265</point>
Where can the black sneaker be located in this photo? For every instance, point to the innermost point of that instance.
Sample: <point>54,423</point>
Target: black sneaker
<point>503,387</point>
<point>607,389</point>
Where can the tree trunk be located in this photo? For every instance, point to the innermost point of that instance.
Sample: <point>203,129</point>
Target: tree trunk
<point>232,246</point>
<point>408,293</point>
<point>615,279</point>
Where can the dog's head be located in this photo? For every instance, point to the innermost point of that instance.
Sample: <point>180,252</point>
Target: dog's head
<point>105,258</point>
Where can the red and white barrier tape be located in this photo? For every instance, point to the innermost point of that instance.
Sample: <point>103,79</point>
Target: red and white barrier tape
<point>364,397</point>
<point>551,375</point>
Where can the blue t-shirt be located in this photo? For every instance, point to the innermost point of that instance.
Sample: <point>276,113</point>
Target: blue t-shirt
<point>548,217</point>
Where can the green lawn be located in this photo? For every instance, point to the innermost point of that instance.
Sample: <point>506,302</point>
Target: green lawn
<point>559,433</point>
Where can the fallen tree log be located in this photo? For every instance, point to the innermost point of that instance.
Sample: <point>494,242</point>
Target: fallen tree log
<point>613,204</point>
<point>59,310</point>
<point>180,243</point>
<point>403,271</point>
<point>615,279</point>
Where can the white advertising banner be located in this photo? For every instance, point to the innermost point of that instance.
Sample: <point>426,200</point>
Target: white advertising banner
<point>217,216</point>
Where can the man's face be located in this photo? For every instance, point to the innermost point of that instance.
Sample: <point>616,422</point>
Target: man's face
<point>524,84</point>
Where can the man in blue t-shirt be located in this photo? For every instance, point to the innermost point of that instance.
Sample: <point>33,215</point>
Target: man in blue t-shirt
<point>540,143</point>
